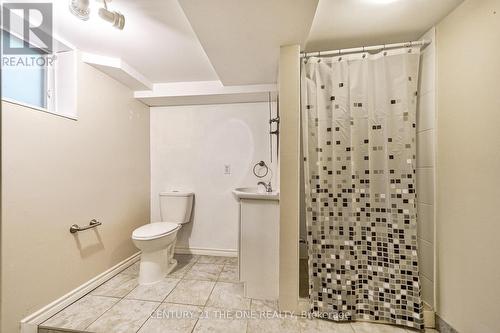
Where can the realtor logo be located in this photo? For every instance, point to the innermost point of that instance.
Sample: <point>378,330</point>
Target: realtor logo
<point>29,22</point>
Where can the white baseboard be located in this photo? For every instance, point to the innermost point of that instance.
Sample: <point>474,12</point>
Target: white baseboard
<point>30,323</point>
<point>206,251</point>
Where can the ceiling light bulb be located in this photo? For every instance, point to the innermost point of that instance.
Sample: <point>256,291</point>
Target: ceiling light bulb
<point>80,8</point>
<point>117,19</point>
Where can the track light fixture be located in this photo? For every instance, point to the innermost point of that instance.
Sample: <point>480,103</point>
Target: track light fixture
<point>114,17</point>
<point>81,9</point>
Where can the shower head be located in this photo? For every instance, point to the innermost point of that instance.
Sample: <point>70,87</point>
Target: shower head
<point>115,18</point>
<point>80,8</point>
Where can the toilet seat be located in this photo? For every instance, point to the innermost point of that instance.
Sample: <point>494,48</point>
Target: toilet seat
<point>155,230</point>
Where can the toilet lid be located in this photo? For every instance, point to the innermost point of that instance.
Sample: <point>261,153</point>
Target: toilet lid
<point>154,230</point>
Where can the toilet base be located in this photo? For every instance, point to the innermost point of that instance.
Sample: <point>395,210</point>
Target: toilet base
<point>155,265</point>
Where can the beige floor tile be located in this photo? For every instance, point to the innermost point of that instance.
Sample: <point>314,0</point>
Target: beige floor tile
<point>214,320</point>
<point>264,305</point>
<point>82,313</point>
<point>229,274</point>
<point>192,292</point>
<point>118,286</point>
<point>323,326</point>
<point>181,269</point>
<point>186,258</point>
<point>273,324</point>
<point>212,260</point>
<point>365,327</point>
<point>229,296</point>
<point>208,272</point>
<point>154,292</point>
<point>172,318</point>
<point>233,261</point>
<point>126,316</point>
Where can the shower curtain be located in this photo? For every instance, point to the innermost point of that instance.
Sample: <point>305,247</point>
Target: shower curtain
<point>358,123</point>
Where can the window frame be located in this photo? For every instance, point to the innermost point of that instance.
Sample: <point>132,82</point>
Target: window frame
<point>50,81</point>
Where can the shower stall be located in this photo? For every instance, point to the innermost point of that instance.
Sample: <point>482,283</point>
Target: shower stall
<point>358,228</point>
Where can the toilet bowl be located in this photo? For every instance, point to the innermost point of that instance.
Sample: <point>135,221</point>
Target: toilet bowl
<point>156,240</point>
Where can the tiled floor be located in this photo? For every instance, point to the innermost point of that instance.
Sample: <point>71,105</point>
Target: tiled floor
<point>201,295</point>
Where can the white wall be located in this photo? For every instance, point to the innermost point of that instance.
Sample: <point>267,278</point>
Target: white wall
<point>57,172</point>
<point>190,146</point>
<point>426,114</point>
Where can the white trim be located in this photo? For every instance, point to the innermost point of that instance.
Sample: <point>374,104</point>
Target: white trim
<point>204,92</point>
<point>37,108</point>
<point>119,70</point>
<point>30,323</point>
<point>207,251</point>
<point>27,105</point>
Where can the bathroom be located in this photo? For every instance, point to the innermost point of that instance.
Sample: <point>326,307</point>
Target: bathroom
<point>249,166</point>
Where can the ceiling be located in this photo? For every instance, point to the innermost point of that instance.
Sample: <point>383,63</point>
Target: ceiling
<point>351,23</point>
<point>242,38</point>
<point>237,41</point>
<point>157,41</point>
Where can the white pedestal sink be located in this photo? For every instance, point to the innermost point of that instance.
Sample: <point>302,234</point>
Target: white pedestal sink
<point>259,242</point>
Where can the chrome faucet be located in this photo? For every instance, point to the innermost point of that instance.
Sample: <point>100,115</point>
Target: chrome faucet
<point>267,186</point>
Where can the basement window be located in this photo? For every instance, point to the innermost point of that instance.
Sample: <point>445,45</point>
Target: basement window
<point>40,81</point>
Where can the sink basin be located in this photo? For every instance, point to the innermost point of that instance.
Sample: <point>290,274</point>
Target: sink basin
<point>256,193</point>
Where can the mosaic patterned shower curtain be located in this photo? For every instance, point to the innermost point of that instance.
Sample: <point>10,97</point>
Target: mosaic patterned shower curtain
<point>358,120</point>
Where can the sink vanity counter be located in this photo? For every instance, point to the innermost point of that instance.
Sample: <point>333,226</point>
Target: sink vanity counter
<point>256,193</point>
<point>259,242</point>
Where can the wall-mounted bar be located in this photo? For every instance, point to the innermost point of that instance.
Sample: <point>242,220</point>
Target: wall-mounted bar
<point>75,228</point>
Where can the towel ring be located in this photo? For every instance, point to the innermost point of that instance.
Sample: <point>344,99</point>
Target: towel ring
<point>261,164</point>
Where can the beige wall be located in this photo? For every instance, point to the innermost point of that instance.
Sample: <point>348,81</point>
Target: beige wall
<point>57,172</point>
<point>289,91</point>
<point>468,165</point>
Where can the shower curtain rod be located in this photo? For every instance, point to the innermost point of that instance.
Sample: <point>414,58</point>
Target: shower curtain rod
<point>421,43</point>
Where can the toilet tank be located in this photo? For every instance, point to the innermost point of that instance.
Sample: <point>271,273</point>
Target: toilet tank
<point>176,206</point>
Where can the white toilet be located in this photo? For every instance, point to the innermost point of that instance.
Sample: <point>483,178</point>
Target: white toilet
<point>156,240</point>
